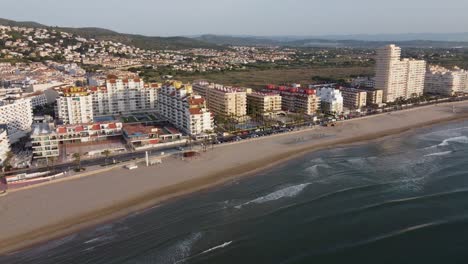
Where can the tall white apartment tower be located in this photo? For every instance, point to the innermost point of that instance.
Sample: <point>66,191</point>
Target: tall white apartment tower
<point>398,78</point>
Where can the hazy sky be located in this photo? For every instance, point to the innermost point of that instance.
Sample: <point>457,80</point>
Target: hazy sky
<point>249,17</point>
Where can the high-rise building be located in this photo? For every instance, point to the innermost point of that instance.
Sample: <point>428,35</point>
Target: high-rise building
<point>119,96</point>
<point>184,109</point>
<point>442,81</point>
<point>17,115</point>
<point>223,100</point>
<point>124,96</point>
<point>398,78</point>
<point>75,106</point>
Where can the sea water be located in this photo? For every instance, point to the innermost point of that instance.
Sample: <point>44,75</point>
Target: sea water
<point>397,200</point>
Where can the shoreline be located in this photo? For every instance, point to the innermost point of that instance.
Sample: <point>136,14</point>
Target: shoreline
<point>145,200</point>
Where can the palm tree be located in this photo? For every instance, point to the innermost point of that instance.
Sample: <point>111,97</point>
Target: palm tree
<point>50,161</point>
<point>7,162</point>
<point>106,153</point>
<point>77,158</point>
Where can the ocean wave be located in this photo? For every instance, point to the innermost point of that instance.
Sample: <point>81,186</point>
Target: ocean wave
<point>438,154</point>
<point>461,139</point>
<point>179,252</point>
<point>283,193</point>
<point>314,169</point>
<point>100,239</point>
<point>390,203</point>
<point>217,247</point>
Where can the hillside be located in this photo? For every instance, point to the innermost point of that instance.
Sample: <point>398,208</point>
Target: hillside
<point>140,41</point>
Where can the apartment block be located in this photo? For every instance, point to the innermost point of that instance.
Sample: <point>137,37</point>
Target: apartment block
<point>184,109</point>
<point>124,96</point>
<point>331,100</point>
<point>396,77</point>
<point>262,103</point>
<point>353,98</point>
<point>75,106</point>
<point>374,97</point>
<point>442,81</point>
<point>17,115</point>
<point>296,99</point>
<point>223,100</point>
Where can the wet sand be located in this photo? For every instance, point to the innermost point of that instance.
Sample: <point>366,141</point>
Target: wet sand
<point>38,214</point>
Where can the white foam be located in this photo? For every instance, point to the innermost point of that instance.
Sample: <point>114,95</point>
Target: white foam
<point>314,169</point>
<point>217,247</point>
<point>461,139</point>
<point>283,193</point>
<point>438,154</point>
<point>179,252</point>
<point>100,239</point>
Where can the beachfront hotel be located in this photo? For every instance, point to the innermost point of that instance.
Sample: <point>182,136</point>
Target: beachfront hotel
<point>442,81</point>
<point>296,99</point>
<point>223,100</point>
<point>185,110</point>
<point>17,115</point>
<point>331,100</point>
<point>396,77</point>
<point>263,103</point>
<point>75,106</point>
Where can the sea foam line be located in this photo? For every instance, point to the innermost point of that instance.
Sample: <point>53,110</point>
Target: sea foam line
<point>283,193</point>
<point>217,247</point>
<point>438,154</point>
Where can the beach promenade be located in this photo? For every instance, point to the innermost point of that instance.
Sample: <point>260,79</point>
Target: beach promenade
<point>41,213</point>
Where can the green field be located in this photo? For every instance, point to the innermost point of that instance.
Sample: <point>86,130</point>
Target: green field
<point>259,78</point>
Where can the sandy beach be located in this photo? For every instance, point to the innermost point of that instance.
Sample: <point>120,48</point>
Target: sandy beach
<point>38,214</point>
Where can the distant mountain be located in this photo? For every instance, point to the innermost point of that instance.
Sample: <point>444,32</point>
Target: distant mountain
<point>450,37</point>
<point>336,41</point>
<point>140,41</point>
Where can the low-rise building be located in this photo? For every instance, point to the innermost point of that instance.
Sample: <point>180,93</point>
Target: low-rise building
<point>143,136</point>
<point>262,103</point>
<point>47,138</point>
<point>353,98</point>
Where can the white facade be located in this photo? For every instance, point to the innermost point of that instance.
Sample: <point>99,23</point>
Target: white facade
<point>398,78</point>
<point>4,144</point>
<point>75,106</point>
<point>17,115</point>
<point>442,81</point>
<point>331,99</point>
<point>124,96</point>
<point>39,99</point>
<point>186,111</point>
